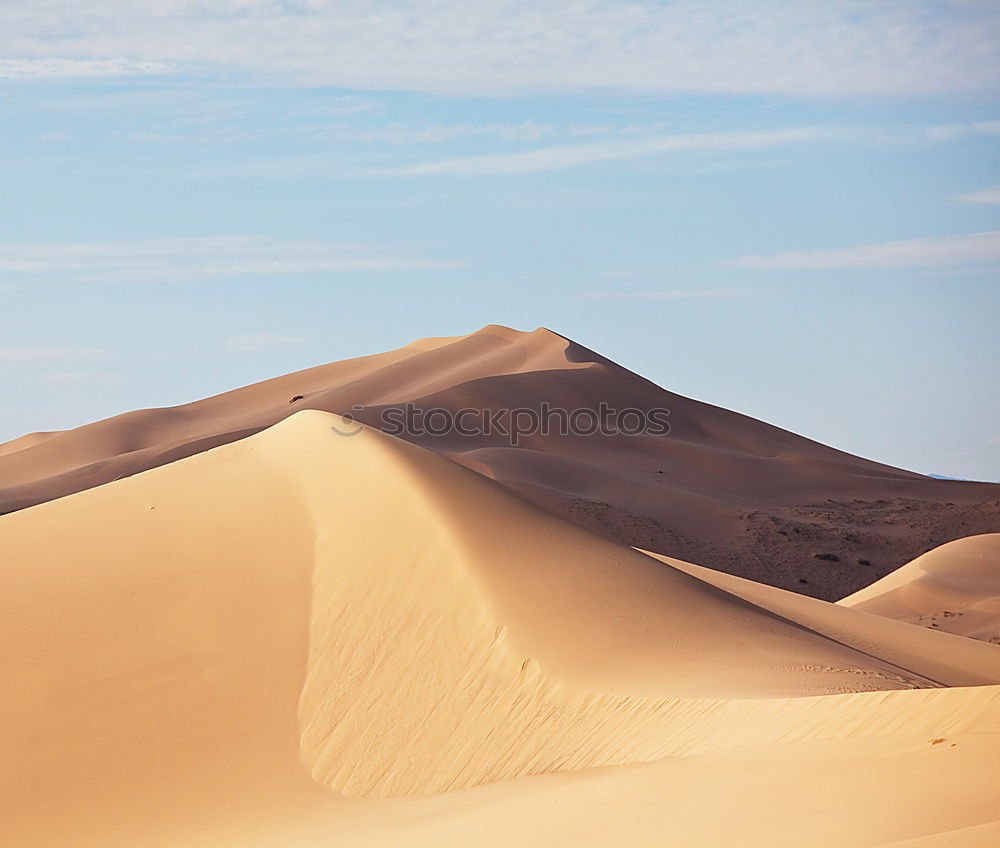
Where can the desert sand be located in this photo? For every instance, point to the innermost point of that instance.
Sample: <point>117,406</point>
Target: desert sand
<point>724,491</point>
<point>954,588</point>
<point>301,638</point>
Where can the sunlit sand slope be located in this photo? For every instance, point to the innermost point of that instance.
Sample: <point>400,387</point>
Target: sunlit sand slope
<point>951,660</point>
<point>954,588</point>
<point>894,789</point>
<point>211,652</point>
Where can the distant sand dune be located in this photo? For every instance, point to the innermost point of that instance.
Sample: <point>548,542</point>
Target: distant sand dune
<point>722,490</point>
<point>954,588</point>
<point>213,652</point>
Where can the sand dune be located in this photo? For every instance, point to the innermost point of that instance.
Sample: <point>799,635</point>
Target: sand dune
<point>954,588</point>
<point>952,661</point>
<point>897,789</point>
<point>722,490</point>
<point>299,638</point>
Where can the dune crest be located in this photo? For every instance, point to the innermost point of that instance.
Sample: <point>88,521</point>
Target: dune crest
<point>949,659</point>
<point>722,489</point>
<point>954,588</point>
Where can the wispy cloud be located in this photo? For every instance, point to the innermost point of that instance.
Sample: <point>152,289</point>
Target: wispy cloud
<point>985,196</point>
<point>338,106</point>
<point>569,156</point>
<point>950,132</point>
<point>628,275</point>
<point>954,271</point>
<point>401,134</point>
<point>54,67</point>
<point>174,259</point>
<point>259,341</point>
<point>393,135</point>
<point>49,354</point>
<point>810,47</point>
<point>975,248</point>
<point>104,379</point>
<point>670,294</point>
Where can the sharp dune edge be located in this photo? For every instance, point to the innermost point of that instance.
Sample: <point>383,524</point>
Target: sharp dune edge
<point>954,588</point>
<point>952,660</point>
<point>724,490</point>
<point>299,638</point>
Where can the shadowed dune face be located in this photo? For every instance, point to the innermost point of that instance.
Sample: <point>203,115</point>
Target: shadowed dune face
<point>721,489</point>
<point>954,589</point>
<point>213,652</point>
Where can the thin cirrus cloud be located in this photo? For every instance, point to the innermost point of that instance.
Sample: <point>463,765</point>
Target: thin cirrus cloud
<point>971,249</point>
<point>176,259</point>
<point>390,135</point>
<point>986,196</point>
<point>63,68</point>
<point>626,142</point>
<point>669,294</point>
<point>41,353</point>
<point>257,342</point>
<point>103,379</point>
<point>950,132</point>
<point>559,157</point>
<point>809,47</point>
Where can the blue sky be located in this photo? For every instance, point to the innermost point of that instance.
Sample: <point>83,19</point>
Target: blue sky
<point>789,209</point>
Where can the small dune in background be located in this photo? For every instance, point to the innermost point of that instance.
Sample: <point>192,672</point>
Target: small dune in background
<point>954,588</point>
